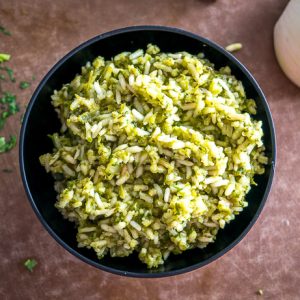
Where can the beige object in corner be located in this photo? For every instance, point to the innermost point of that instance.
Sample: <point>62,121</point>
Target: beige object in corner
<point>287,41</point>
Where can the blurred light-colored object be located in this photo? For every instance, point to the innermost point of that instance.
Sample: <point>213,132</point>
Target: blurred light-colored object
<point>234,47</point>
<point>287,41</point>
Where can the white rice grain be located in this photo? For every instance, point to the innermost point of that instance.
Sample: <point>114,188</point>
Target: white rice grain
<point>139,171</point>
<point>135,225</point>
<point>167,195</point>
<point>146,197</point>
<point>135,149</point>
<point>137,115</point>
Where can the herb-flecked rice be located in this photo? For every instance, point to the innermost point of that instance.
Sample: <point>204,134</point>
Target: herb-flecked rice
<point>156,153</point>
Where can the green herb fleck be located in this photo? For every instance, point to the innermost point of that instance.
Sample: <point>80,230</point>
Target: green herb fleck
<point>7,170</point>
<point>4,57</point>
<point>4,30</point>
<point>7,145</point>
<point>30,264</point>
<point>10,73</point>
<point>3,117</point>
<point>24,85</point>
<point>33,78</point>
<point>9,107</point>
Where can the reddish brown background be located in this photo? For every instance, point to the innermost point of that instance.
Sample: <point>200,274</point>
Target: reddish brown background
<point>268,258</point>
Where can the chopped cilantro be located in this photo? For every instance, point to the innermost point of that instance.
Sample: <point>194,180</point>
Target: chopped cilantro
<point>4,30</point>
<point>4,57</point>
<point>10,73</point>
<point>7,145</point>
<point>24,85</point>
<point>33,78</point>
<point>30,264</point>
<point>9,107</point>
<point>2,120</point>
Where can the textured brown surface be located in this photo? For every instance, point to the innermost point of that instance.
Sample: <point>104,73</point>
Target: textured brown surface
<point>268,258</point>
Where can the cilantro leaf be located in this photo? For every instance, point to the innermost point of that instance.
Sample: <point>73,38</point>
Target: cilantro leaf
<point>9,107</point>
<point>2,120</point>
<point>24,85</point>
<point>4,57</point>
<point>4,30</point>
<point>10,74</point>
<point>30,264</point>
<point>7,145</point>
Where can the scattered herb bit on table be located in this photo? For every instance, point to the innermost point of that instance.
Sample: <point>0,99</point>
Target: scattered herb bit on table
<point>6,145</point>
<point>6,170</point>
<point>4,57</point>
<point>9,107</point>
<point>8,104</point>
<point>30,264</point>
<point>4,30</point>
<point>10,73</point>
<point>24,85</point>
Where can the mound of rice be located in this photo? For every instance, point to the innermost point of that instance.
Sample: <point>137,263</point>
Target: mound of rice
<point>156,153</point>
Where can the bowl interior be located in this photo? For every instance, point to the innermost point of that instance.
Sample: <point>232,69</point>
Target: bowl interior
<point>41,120</point>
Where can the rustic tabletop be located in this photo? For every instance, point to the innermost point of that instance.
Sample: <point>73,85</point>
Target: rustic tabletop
<point>269,256</point>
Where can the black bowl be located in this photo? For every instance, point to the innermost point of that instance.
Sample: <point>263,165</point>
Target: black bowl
<point>41,120</point>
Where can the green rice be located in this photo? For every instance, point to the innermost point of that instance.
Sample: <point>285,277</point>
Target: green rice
<point>156,153</point>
